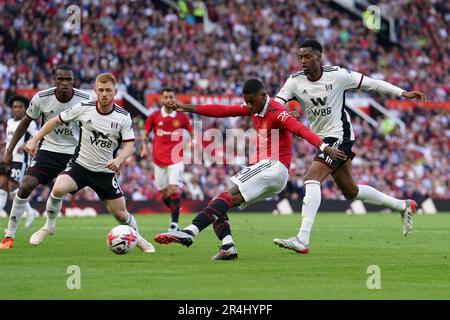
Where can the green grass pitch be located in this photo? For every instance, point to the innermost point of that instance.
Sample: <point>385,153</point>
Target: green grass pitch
<point>342,248</point>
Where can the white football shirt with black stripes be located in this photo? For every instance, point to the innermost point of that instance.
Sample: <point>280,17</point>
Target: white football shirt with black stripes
<point>45,105</point>
<point>101,133</point>
<point>324,100</point>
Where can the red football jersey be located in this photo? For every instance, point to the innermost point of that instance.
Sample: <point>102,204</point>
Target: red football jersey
<point>273,116</point>
<point>167,135</point>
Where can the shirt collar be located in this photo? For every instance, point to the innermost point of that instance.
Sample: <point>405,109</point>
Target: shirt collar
<point>165,114</point>
<point>264,109</point>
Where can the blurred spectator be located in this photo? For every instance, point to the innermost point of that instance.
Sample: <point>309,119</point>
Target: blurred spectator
<point>148,49</point>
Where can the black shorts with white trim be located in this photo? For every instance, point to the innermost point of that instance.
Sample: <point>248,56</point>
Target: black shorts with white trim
<point>344,145</point>
<point>103,183</point>
<point>47,165</point>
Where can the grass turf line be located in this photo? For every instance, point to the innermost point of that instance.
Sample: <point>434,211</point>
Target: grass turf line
<point>342,248</point>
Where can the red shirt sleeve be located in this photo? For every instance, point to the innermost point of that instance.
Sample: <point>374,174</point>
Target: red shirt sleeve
<point>148,126</point>
<point>221,111</point>
<point>291,124</point>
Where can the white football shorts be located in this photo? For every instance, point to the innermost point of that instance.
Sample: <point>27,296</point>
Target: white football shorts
<point>170,175</point>
<point>260,181</point>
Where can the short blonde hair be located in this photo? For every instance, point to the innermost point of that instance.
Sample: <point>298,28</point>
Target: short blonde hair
<point>106,77</point>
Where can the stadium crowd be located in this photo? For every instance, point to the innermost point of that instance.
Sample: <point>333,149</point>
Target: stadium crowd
<point>148,49</point>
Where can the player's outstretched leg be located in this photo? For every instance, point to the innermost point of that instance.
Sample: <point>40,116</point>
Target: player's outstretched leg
<point>216,210</point>
<point>406,208</point>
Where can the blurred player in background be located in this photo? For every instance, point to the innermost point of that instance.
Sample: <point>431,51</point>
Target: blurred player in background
<point>165,125</point>
<point>55,150</point>
<point>265,179</point>
<point>321,92</point>
<point>10,177</point>
<point>104,128</point>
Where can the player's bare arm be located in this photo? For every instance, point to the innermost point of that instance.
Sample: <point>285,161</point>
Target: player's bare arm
<point>46,129</point>
<point>127,150</point>
<point>144,149</point>
<point>18,134</point>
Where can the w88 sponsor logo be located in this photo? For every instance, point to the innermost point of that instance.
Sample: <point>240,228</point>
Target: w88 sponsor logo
<point>100,139</point>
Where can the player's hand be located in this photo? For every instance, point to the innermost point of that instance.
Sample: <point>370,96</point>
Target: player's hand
<point>2,144</point>
<point>144,151</point>
<point>414,95</point>
<point>30,147</point>
<point>334,153</point>
<point>294,114</point>
<point>114,165</point>
<point>181,107</point>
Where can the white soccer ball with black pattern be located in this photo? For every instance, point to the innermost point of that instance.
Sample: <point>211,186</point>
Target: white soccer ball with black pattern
<point>121,239</point>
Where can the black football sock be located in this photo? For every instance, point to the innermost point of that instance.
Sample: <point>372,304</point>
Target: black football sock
<point>166,201</point>
<point>175,206</point>
<point>216,210</point>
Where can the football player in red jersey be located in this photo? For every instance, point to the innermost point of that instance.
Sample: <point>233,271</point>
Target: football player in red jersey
<point>166,124</point>
<point>265,179</point>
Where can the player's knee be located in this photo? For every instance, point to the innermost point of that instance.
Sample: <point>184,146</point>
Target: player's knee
<point>350,194</point>
<point>25,190</point>
<point>58,192</point>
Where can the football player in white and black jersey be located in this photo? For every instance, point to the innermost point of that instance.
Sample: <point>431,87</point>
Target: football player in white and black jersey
<point>55,150</point>
<point>321,92</point>
<point>11,176</point>
<point>104,128</point>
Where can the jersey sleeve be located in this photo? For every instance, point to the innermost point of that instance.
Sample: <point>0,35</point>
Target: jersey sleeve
<point>32,129</point>
<point>221,111</point>
<point>286,93</point>
<point>127,131</point>
<point>289,123</point>
<point>72,113</point>
<point>381,87</point>
<point>350,79</point>
<point>34,109</point>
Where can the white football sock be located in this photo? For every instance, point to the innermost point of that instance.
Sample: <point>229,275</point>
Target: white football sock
<point>193,228</point>
<point>28,209</point>
<point>227,240</point>
<point>3,198</point>
<point>311,204</point>
<point>17,210</point>
<point>53,208</point>
<point>133,224</point>
<point>373,196</point>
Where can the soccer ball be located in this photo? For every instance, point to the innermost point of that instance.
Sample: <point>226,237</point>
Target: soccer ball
<point>121,239</point>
